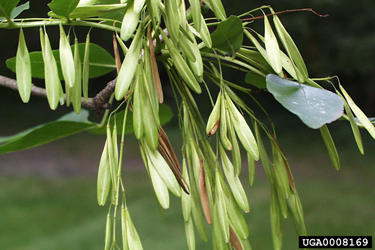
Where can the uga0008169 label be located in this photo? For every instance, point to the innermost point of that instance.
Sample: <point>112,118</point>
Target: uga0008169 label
<point>335,242</point>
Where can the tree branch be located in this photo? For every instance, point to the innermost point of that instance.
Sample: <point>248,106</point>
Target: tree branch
<point>284,11</point>
<point>97,103</point>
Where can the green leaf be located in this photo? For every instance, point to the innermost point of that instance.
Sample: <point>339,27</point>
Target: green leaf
<point>129,66</point>
<point>63,7</point>
<point>132,236</point>
<point>315,107</point>
<point>160,188</point>
<point>291,49</point>
<point>256,80</point>
<point>104,177</point>
<point>275,220</point>
<point>189,230</point>
<point>221,207</point>
<point>51,75</point>
<point>165,115</point>
<point>228,35</point>
<point>92,11</point>
<point>332,151</point>
<point>101,62</point>
<point>18,10</point>
<point>236,218</point>
<point>115,15</point>
<point>186,200</point>
<point>272,47</point>
<point>263,155</point>
<point>234,182</point>
<point>160,165</point>
<point>6,8</point>
<point>354,125</point>
<point>23,69</point>
<point>358,112</point>
<point>67,125</point>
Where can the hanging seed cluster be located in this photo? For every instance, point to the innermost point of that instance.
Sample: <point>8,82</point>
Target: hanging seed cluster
<point>208,182</point>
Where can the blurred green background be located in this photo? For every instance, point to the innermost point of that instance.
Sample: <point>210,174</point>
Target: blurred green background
<point>48,194</point>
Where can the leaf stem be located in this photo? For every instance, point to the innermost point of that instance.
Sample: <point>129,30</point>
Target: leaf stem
<point>25,23</point>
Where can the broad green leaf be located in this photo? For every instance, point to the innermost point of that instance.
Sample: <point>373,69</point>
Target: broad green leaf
<point>6,7</point>
<point>92,11</point>
<point>101,62</point>
<point>315,107</point>
<point>67,125</point>
<point>358,112</point>
<point>331,148</point>
<point>228,35</point>
<point>63,7</point>
<point>16,11</point>
<point>165,115</point>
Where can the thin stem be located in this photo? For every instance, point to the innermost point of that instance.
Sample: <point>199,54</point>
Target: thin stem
<point>24,23</point>
<point>281,12</point>
<point>106,113</point>
<point>234,61</point>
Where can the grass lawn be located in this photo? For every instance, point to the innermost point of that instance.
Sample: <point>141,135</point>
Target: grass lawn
<point>44,213</point>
